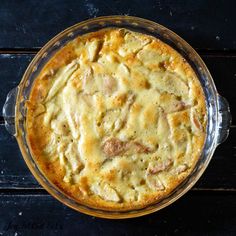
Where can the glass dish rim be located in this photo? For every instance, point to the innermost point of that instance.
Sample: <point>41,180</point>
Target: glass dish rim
<point>91,211</point>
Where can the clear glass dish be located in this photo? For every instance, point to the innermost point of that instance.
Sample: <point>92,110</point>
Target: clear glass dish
<point>219,117</point>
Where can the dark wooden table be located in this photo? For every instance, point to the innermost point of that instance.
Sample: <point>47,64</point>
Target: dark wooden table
<point>209,208</point>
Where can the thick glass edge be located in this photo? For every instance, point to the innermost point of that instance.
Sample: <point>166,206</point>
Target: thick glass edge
<point>9,112</point>
<point>225,119</point>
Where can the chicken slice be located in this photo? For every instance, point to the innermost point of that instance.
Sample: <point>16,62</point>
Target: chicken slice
<point>114,147</point>
<point>159,166</point>
<point>106,192</point>
<point>155,183</point>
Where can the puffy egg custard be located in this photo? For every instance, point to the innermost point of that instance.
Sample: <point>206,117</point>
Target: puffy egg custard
<point>116,119</point>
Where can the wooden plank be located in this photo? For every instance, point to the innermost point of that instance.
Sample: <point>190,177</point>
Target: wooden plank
<point>204,214</point>
<point>221,67</point>
<point>13,170</point>
<point>223,71</point>
<point>204,24</point>
<point>220,174</point>
<point>13,67</point>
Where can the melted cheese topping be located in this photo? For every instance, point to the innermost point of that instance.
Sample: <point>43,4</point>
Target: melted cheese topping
<point>116,119</point>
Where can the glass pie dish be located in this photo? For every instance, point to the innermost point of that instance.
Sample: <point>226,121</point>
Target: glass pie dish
<point>218,114</point>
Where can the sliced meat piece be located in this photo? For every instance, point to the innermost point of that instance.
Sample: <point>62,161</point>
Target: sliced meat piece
<point>171,103</point>
<point>197,126</point>
<point>120,123</point>
<point>115,147</point>
<point>106,192</point>
<point>180,106</point>
<point>93,49</point>
<point>109,84</point>
<point>73,158</point>
<point>61,78</point>
<point>171,83</point>
<point>136,147</point>
<point>181,168</point>
<point>160,166</point>
<point>88,82</point>
<point>155,183</point>
<point>132,44</point>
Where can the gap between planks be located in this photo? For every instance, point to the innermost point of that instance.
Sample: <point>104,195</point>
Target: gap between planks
<point>19,50</point>
<point>41,191</point>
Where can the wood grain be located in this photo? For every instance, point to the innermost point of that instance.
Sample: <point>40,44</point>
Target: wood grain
<point>203,23</point>
<point>201,213</point>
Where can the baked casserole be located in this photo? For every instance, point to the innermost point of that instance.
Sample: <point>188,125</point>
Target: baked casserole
<point>116,119</point>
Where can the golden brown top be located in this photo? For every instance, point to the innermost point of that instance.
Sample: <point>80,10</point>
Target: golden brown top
<point>116,119</point>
